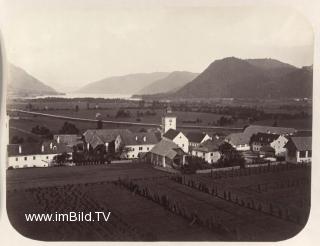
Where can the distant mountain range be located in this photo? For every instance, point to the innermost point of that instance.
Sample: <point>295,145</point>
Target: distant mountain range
<point>22,84</point>
<point>127,84</point>
<point>171,83</point>
<point>253,78</point>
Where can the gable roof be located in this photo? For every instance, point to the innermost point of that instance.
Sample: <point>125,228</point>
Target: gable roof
<point>139,138</point>
<point>97,137</point>
<point>49,147</point>
<point>253,129</point>
<point>171,134</point>
<point>209,145</point>
<point>300,143</point>
<point>264,138</point>
<point>237,138</point>
<point>196,137</point>
<point>166,148</point>
<point>68,139</point>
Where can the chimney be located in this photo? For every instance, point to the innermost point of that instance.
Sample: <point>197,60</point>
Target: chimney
<point>42,148</point>
<point>51,145</point>
<point>20,149</point>
<point>144,138</point>
<point>58,139</point>
<point>136,138</point>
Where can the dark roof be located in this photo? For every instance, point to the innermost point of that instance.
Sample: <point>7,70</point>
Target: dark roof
<point>267,148</point>
<point>97,137</point>
<point>68,139</point>
<point>171,134</point>
<point>196,137</point>
<point>254,129</point>
<point>166,148</point>
<point>238,138</point>
<point>139,138</point>
<point>209,145</point>
<point>264,138</point>
<point>300,143</point>
<point>47,147</point>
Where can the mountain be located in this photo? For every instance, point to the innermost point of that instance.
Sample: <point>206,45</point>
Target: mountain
<point>127,84</point>
<point>21,83</point>
<point>254,78</point>
<point>170,83</point>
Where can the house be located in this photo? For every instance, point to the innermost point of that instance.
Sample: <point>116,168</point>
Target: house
<point>167,154</point>
<point>68,139</point>
<point>137,144</point>
<point>196,138</point>
<point>299,150</point>
<point>208,150</point>
<point>178,138</point>
<point>35,154</point>
<point>278,145</point>
<point>239,141</point>
<point>260,139</point>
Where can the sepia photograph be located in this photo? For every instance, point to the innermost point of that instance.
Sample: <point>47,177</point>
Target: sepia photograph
<point>146,121</point>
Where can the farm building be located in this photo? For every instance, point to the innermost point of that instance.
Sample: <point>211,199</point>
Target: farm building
<point>208,150</point>
<point>178,138</point>
<point>299,150</point>
<point>167,154</point>
<point>239,141</point>
<point>35,155</point>
<point>259,140</point>
<point>196,138</point>
<point>137,144</point>
<point>68,139</point>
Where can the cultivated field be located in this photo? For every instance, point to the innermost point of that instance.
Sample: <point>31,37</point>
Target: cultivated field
<point>232,206</point>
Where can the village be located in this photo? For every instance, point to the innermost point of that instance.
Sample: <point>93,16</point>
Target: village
<point>166,148</point>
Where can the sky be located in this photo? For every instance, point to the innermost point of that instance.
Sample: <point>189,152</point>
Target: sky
<point>70,43</point>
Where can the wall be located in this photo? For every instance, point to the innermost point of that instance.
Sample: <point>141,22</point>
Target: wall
<point>40,161</point>
<point>182,141</point>
<point>134,150</point>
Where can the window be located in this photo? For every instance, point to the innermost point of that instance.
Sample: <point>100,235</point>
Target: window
<point>309,153</point>
<point>140,148</point>
<point>302,154</point>
<point>26,158</point>
<point>17,159</point>
<point>47,157</point>
<point>211,154</point>
<point>34,158</point>
<point>132,156</point>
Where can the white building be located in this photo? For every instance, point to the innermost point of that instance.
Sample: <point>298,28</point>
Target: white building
<point>35,154</point>
<point>197,138</point>
<point>178,138</point>
<point>239,141</point>
<point>299,150</point>
<point>209,151</point>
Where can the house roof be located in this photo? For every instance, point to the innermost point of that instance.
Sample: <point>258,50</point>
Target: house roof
<point>253,129</point>
<point>196,137</point>
<point>238,138</point>
<point>166,148</point>
<point>171,134</point>
<point>139,138</point>
<point>267,149</point>
<point>68,139</point>
<point>264,138</point>
<point>97,137</point>
<point>49,147</point>
<point>300,143</point>
<point>209,145</point>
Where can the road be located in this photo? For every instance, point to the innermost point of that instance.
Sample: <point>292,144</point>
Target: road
<point>123,122</point>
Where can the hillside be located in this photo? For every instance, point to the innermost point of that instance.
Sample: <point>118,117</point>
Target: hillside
<point>21,83</point>
<point>236,78</point>
<point>170,83</point>
<point>127,84</point>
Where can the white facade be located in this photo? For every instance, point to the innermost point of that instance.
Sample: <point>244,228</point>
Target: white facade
<point>299,157</point>
<point>182,141</point>
<point>241,147</point>
<point>135,150</point>
<point>210,157</point>
<point>206,137</point>
<point>278,146</point>
<point>168,122</point>
<point>21,161</point>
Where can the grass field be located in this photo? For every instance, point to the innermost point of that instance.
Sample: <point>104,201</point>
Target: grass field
<point>137,214</point>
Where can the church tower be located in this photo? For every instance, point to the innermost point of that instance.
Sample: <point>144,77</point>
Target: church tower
<point>168,121</point>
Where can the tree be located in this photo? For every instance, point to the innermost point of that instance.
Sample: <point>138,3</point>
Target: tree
<point>230,156</point>
<point>62,158</point>
<point>17,140</point>
<point>42,130</point>
<point>69,128</point>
